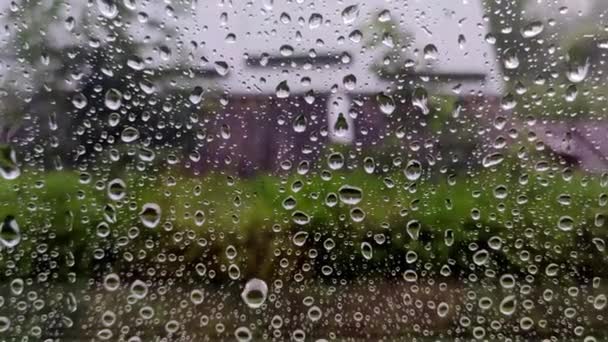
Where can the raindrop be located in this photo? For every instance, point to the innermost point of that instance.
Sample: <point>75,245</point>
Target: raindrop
<point>350,195</point>
<point>366,250</point>
<point>139,289</point>
<point>196,95</point>
<point>5,323</point>
<point>420,99</point>
<point>350,14</point>
<point>413,170</point>
<point>300,218</point>
<point>10,235</point>
<point>282,90</point>
<point>255,292</point>
<point>532,29</point>
<point>113,99</point>
<point>430,52</point>
<point>299,238</point>
<point>9,169</point>
<point>385,103</point>
<point>150,215</point>
<point>117,189</point>
<point>565,223</point>
<point>129,134</point>
<point>577,72</point>
<point>107,8</point>
<point>507,305</point>
<point>341,126</point>
<point>315,20</point>
<point>350,82</point>
<point>510,59</point>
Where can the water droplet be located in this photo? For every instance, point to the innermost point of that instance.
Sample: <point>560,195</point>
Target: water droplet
<point>420,99</point>
<point>384,16</point>
<point>413,229</point>
<point>243,334</point>
<point>255,292</point>
<point>111,282</point>
<point>5,323</point>
<point>532,29</point>
<point>481,257</point>
<point>350,14</point>
<point>350,195</point>
<point>129,134</point>
<point>315,20</point>
<point>565,223</point>
<point>300,123</point>
<point>413,170</point>
<point>117,189</point>
<point>196,95</point>
<point>366,250</point>
<point>221,68</point>
<point>571,93</point>
<point>577,72</point>
<point>113,99</point>
<point>430,52</point>
<point>507,305</point>
<point>300,218</point>
<point>385,103</point>
<point>442,309</point>
<point>139,289</point>
<point>107,8</point>
<point>79,101</point>
<point>282,90</point>
<point>510,59</point>
<point>492,159</point>
<point>341,126</point>
<point>349,82</point>
<point>17,286</point>
<point>10,235</point>
<point>9,169</point>
<point>150,215</point>
<point>299,238</point>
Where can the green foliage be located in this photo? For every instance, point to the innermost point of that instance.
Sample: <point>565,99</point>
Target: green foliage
<point>64,210</point>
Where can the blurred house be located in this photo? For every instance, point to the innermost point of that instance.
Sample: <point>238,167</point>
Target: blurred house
<point>282,64</point>
<point>583,144</point>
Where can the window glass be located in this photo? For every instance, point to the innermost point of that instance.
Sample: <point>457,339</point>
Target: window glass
<point>220,170</point>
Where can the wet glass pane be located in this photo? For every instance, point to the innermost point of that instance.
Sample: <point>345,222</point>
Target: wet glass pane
<point>221,170</point>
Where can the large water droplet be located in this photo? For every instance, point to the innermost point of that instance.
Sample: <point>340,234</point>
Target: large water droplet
<point>9,169</point>
<point>350,14</point>
<point>532,29</point>
<point>565,223</point>
<point>129,134</point>
<point>113,99</point>
<point>282,90</point>
<point>150,215</point>
<point>577,72</point>
<point>10,235</point>
<point>507,305</point>
<point>385,103</point>
<point>255,292</point>
<point>366,250</point>
<point>300,217</point>
<point>510,59</point>
<point>350,195</point>
<point>117,189</point>
<point>139,289</point>
<point>108,8</point>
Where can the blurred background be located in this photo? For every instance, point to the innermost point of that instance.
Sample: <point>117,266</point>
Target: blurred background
<point>303,170</point>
